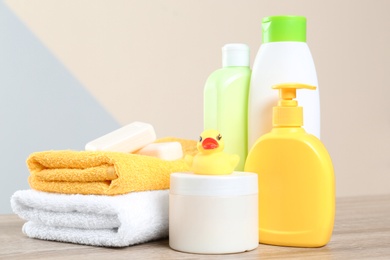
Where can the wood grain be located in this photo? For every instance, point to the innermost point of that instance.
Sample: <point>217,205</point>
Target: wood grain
<point>362,231</point>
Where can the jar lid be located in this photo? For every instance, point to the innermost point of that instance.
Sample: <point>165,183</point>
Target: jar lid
<point>235,184</point>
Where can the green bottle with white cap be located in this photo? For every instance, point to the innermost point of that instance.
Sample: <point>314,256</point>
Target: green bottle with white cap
<point>226,100</point>
<point>283,57</point>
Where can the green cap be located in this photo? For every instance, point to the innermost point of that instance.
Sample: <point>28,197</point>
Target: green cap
<point>284,28</point>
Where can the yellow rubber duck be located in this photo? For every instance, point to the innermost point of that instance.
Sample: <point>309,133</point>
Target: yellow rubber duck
<point>211,160</point>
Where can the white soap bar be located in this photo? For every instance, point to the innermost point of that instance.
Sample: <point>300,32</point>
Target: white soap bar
<point>168,151</point>
<point>127,139</point>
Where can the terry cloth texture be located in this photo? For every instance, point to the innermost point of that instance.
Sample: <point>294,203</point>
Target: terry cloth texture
<point>112,221</point>
<point>103,172</point>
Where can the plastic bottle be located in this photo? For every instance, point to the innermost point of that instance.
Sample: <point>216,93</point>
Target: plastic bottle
<point>296,179</point>
<point>284,56</point>
<point>226,100</point>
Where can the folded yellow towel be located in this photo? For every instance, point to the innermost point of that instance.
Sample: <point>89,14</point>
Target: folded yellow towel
<point>103,173</point>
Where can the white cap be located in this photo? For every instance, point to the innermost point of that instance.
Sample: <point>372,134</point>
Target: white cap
<point>235,54</point>
<point>235,184</point>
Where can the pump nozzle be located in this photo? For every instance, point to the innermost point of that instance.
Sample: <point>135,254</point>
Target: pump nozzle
<point>288,113</point>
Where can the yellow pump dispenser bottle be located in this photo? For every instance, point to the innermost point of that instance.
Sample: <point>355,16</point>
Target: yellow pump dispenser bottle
<point>296,179</point>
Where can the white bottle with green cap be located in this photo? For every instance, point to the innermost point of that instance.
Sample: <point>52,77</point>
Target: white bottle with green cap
<point>226,100</point>
<point>283,57</point>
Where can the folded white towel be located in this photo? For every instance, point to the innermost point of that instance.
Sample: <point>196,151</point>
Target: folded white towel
<point>113,221</point>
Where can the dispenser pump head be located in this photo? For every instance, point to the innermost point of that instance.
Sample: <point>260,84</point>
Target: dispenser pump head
<point>288,113</point>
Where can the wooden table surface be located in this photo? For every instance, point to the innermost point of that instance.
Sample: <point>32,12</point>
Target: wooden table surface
<point>362,231</point>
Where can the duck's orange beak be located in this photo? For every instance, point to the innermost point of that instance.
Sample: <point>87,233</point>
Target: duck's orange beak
<point>209,143</point>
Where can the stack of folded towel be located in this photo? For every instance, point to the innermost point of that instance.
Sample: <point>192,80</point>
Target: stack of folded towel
<point>98,198</point>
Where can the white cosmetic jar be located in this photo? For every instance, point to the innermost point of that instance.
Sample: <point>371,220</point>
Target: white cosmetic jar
<point>213,214</point>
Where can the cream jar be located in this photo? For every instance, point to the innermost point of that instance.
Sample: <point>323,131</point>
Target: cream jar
<point>213,214</point>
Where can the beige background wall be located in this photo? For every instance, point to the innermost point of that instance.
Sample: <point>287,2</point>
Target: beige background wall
<point>148,61</point>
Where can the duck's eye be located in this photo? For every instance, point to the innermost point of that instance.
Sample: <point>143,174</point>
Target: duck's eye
<point>219,137</point>
<point>200,139</point>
